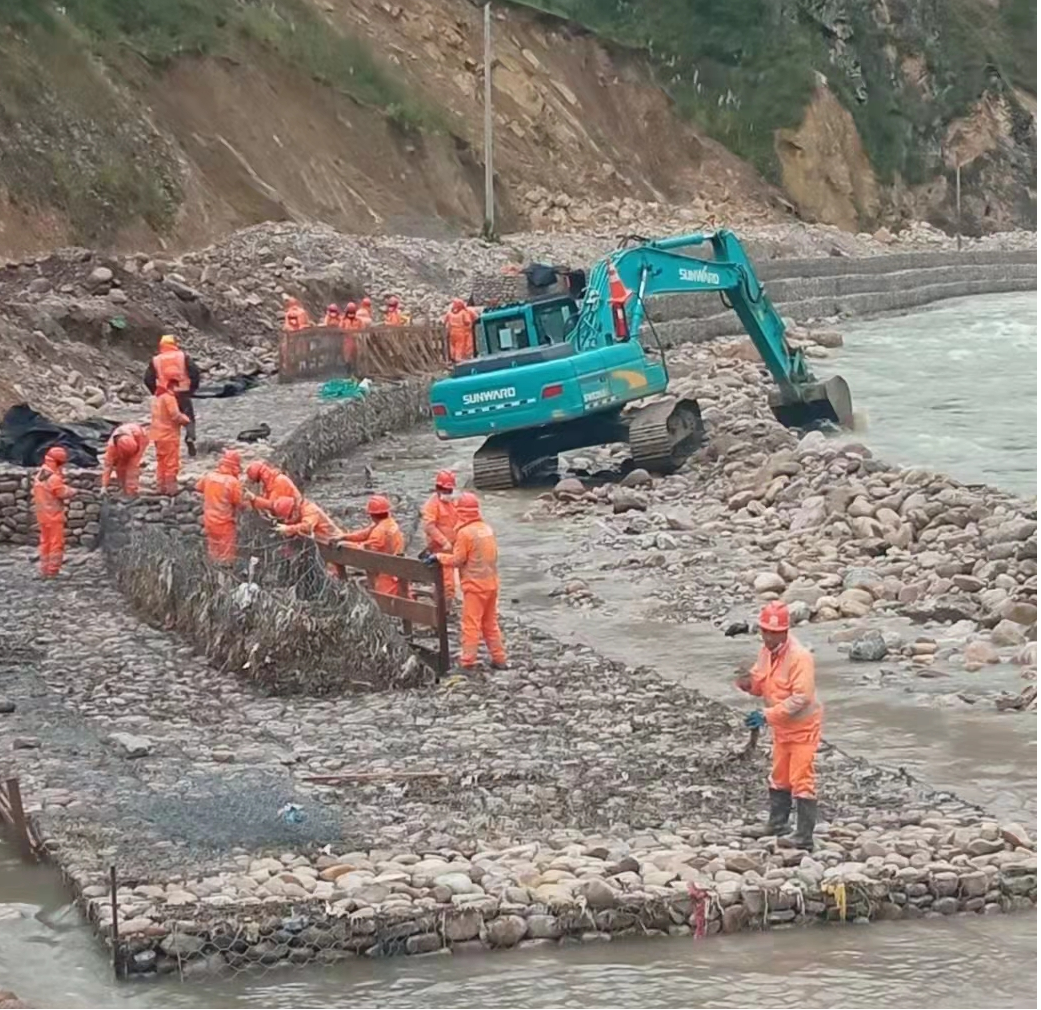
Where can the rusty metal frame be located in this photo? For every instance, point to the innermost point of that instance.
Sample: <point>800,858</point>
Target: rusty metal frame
<point>408,611</point>
<point>377,352</point>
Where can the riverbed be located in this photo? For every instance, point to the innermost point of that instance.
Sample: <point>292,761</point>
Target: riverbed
<point>918,383</point>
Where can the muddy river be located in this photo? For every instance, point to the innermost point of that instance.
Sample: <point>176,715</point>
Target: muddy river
<point>953,388</point>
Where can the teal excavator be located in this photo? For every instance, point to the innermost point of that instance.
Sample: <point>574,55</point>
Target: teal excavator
<point>565,372</point>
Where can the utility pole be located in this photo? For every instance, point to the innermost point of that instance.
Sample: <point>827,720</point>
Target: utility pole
<point>489,171</point>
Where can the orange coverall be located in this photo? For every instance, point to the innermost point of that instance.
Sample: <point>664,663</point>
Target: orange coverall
<point>476,555</point>
<point>50,492</point>
<point>275,484</point>
<point>222,498</point>
<point>165,433</point>
<point>395,317</point>
<point>786,681</point>
<point>127,468</point>
<point>296,317</point>
<point>460,327</point>
<point>439,525</point>
<point>312,521</point>
<point>384,537</point>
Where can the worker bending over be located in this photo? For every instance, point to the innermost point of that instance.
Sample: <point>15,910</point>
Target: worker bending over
<point>50,492</point>
<point>296,317</point>
<point>222,500</point>
<point>439,520</point>
<point>783,676</point>
<point>173,368</point>
<point>165,433</point>
<point>300,517</point>
<point>392,314</point>
<point>384,536</point>
<point>273,485</point>
<point>459,326</point>
<point>476,555</point>
<point>123,454</point>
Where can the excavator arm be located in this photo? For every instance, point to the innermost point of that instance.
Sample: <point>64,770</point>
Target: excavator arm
<point>656,268</point>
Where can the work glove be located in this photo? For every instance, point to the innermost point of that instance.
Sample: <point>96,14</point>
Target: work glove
<point>430,560</point>
<point>281,528</point>
<point>755,720</point>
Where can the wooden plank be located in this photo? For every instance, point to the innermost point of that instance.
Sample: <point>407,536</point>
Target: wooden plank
<point>407,610</point>
<point>444,655</point>
<point>410,569</point>
<point>18,818</point>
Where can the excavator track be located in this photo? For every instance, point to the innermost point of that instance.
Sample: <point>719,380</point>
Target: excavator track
<point>663,435</point>
<point>494,469</point>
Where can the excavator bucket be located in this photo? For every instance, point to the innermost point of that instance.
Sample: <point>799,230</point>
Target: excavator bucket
<point>812,403</point>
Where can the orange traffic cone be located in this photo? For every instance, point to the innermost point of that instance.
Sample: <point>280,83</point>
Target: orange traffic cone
<point>618,293</point>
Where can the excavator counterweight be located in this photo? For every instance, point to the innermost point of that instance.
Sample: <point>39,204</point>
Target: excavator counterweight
<point>558,374</point>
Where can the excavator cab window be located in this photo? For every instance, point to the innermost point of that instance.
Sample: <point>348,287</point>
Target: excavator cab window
<point>553,321</point>
<point>500,334</point>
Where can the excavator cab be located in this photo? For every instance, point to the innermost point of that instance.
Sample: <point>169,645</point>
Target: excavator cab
<point>525,326</point>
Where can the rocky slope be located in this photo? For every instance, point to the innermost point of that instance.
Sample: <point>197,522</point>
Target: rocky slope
<point>133,128</point>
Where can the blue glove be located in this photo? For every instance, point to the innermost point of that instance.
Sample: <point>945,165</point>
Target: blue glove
<point>755,720</point>
<point>430,560</point>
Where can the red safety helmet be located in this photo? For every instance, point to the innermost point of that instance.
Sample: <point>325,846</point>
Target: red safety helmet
<point>56,455</point>
<point>378,505</point>
<point>392,301</point>
<point>445,480</point>
<point>333,310</point>
<point>774,616</point>
<point>458,305</point>
<point>283,507</point>
<point>366,302</point>
<point>350,308</point>
<point>255,470</point>
<point>126,444</point>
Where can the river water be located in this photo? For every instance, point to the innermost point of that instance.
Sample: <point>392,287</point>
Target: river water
<point>952,388</point>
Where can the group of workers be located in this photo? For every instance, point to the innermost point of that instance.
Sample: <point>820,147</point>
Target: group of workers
<point>459,321</point>
<point>354,316</point>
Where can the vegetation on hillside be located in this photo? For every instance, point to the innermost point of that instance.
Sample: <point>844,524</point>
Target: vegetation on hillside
<point>741,70</point>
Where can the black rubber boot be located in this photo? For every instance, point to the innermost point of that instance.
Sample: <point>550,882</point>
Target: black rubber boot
<point>190,443</point>
<point>805,822</point>
<point>780,811</point>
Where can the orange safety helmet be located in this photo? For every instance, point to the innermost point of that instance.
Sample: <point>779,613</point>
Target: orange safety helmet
<point>351,309</point>
<point>458,305</point>
<point>366,302</point>
<point>445,480</point>
<point>126,444</point>
<point>774,616</point>
<point>468,505</point>
<point>232,460</point>
<point>283,507</point>
<point>378,505</point>
<point>255,470</point>
<point>333,310</point>
<point>56,455</point>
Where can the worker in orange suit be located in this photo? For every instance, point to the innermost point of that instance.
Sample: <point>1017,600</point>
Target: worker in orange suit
<point>384,536</point>
<point>439,520</point>
<point>351,319</point>
<point>301,517</point>
<point>165,433</point>
<point>476,555</point>
<point>459,326</point>
<point>392,314</point>
<point>296,317</point>
<point>222,500</point>
<point>123,454</point>
<point>50,492</point>
<point>332,316</point>
<point>273,485</point>
<point>365,311</point>
<point>783,676</point>
<point>175,369</point>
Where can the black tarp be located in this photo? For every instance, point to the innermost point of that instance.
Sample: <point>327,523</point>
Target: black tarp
<point>26,435</point>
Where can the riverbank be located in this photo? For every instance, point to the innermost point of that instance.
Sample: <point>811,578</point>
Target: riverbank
<point>509,759</point>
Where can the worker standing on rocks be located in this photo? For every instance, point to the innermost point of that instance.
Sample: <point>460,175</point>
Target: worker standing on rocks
<point>351,319</point>
<point>365,311</point>
<point>50,492</point>
<point>783,675</point>
<point>165,433</point>
<point>296,317</point>
<point>332,316</point>
<point>175,369</point>
<point>476,555</point>
<point>273,485</point>
<point>123,454</point>
<point>384,536</point>
<point>459,327</point>
<point>222,500</point>
<point>440,521</point>
<point>392,314</point>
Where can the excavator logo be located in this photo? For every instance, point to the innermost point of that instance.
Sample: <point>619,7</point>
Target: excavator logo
<point>487,395</point>
<point>699,276</point>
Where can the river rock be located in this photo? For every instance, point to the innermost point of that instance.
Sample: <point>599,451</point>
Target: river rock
<point>1018,612</point>
<point>597,894</point>
<point>131,746</point>
<point>99,277</point>
<point>1027,655</point>
<point>543,927</point>
<point>625,500</point>
<point>506,931</point>
<point>636,478</point>
<point>855,602</point>
<point>181,945</point>
<point>869,648</point>
<point>1007,633</point>
<point>768,582</point>
<point>569,489</point>
<point>458,883</point>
